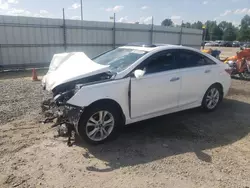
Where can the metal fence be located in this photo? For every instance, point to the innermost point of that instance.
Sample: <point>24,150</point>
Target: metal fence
<point>31,42</point>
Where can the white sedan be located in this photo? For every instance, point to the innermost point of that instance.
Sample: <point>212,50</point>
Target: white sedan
<point>133,83</point>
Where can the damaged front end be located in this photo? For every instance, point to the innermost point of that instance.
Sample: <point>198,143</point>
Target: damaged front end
<point>68,72</point>
<point>67,116</point>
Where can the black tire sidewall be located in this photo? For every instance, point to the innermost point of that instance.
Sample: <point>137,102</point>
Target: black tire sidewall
<point>242,75</point>
<point>92,110</point>
<point>204,105</point>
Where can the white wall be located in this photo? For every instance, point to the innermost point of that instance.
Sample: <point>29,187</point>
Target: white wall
<point>28,41</point>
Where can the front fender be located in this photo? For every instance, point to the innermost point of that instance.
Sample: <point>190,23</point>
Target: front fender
<point>116,90</point>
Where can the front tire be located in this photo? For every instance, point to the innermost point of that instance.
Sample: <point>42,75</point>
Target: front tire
<point>99,123</point>
<point>212,98</point>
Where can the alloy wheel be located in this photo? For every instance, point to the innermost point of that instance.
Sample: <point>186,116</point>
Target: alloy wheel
<point>212,98</point>
<point>100,125</point>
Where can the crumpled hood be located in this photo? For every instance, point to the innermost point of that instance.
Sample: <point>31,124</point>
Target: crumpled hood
<point>68,67</point>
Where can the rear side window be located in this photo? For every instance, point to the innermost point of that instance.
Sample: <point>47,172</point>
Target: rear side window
<point>186,59</point>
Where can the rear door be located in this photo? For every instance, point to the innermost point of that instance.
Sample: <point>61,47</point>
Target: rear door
<point>197,73</point>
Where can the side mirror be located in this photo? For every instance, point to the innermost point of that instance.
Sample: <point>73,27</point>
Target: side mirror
<point>139,73</point>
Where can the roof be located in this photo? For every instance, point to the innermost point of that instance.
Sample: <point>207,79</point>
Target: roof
<point>155,47</point>
<point>146,47</point>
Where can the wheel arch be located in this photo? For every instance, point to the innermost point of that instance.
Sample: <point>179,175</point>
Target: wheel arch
<point>107,101</point>
<point>220,86</point>
<point>214,84</point>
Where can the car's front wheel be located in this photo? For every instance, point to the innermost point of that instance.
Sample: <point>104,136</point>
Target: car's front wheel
<point>99,123</point>
<point>212,98</point>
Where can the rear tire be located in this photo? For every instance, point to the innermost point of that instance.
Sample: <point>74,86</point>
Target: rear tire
<point>92,127</point>
<point>212,98</point>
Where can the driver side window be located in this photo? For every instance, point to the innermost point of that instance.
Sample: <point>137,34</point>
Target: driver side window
<point>162,61</point>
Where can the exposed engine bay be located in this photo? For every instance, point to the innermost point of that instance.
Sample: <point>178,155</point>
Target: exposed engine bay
<point>69,88</point>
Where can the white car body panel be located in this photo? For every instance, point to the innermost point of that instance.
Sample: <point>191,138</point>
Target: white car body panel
<point>147,97</point>
<point>116,90</point>
<point>224,79</point>
<point>71,67</point>
<point>149,92</point>
<point>163,112</point>
<point>56,61</point>
<point>195,81</point>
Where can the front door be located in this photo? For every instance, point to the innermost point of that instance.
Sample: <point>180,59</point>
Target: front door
<point>159,88</point>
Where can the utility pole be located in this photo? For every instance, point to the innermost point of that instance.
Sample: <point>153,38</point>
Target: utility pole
<point>113,18</point>
<point>114,31</point>
<point>180,39</point>
<point>64,32</point>
<point>81,11</point>
<point>204,28</point>
<point>152,30</point>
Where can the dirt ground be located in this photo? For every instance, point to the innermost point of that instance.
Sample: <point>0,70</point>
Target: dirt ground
<point>186,149</point>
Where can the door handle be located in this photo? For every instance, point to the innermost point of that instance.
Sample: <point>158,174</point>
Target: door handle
<point>207,71</point>
<point>174,79</point>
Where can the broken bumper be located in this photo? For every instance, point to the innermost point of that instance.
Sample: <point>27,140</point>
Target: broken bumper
<point>63,112</point>
<point>71,115</point>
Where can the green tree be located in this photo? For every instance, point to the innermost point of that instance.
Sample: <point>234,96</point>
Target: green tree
<point>244,32</point>
<point>223,25</point>
<point>224,30</point>
<point>167,22</point>
<point>197,25</point>
<point>217,33</point>
<point>187,25</point>
<point>229,33</point>
<point>245,21</point>
<point>213,32</point>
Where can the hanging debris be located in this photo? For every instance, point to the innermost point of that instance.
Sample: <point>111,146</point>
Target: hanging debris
<point>51,112</point>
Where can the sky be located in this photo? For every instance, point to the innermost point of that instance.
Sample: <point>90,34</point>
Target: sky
<point>131,11</point>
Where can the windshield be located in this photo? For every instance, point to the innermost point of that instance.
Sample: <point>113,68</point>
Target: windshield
<point>120,58</point>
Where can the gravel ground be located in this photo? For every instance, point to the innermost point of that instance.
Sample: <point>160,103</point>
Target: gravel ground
<point>186,149</point>
<point>19,97</point>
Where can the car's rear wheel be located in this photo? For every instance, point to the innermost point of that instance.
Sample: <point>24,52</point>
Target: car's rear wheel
<point>99,123</point>
<point>212,98</point>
